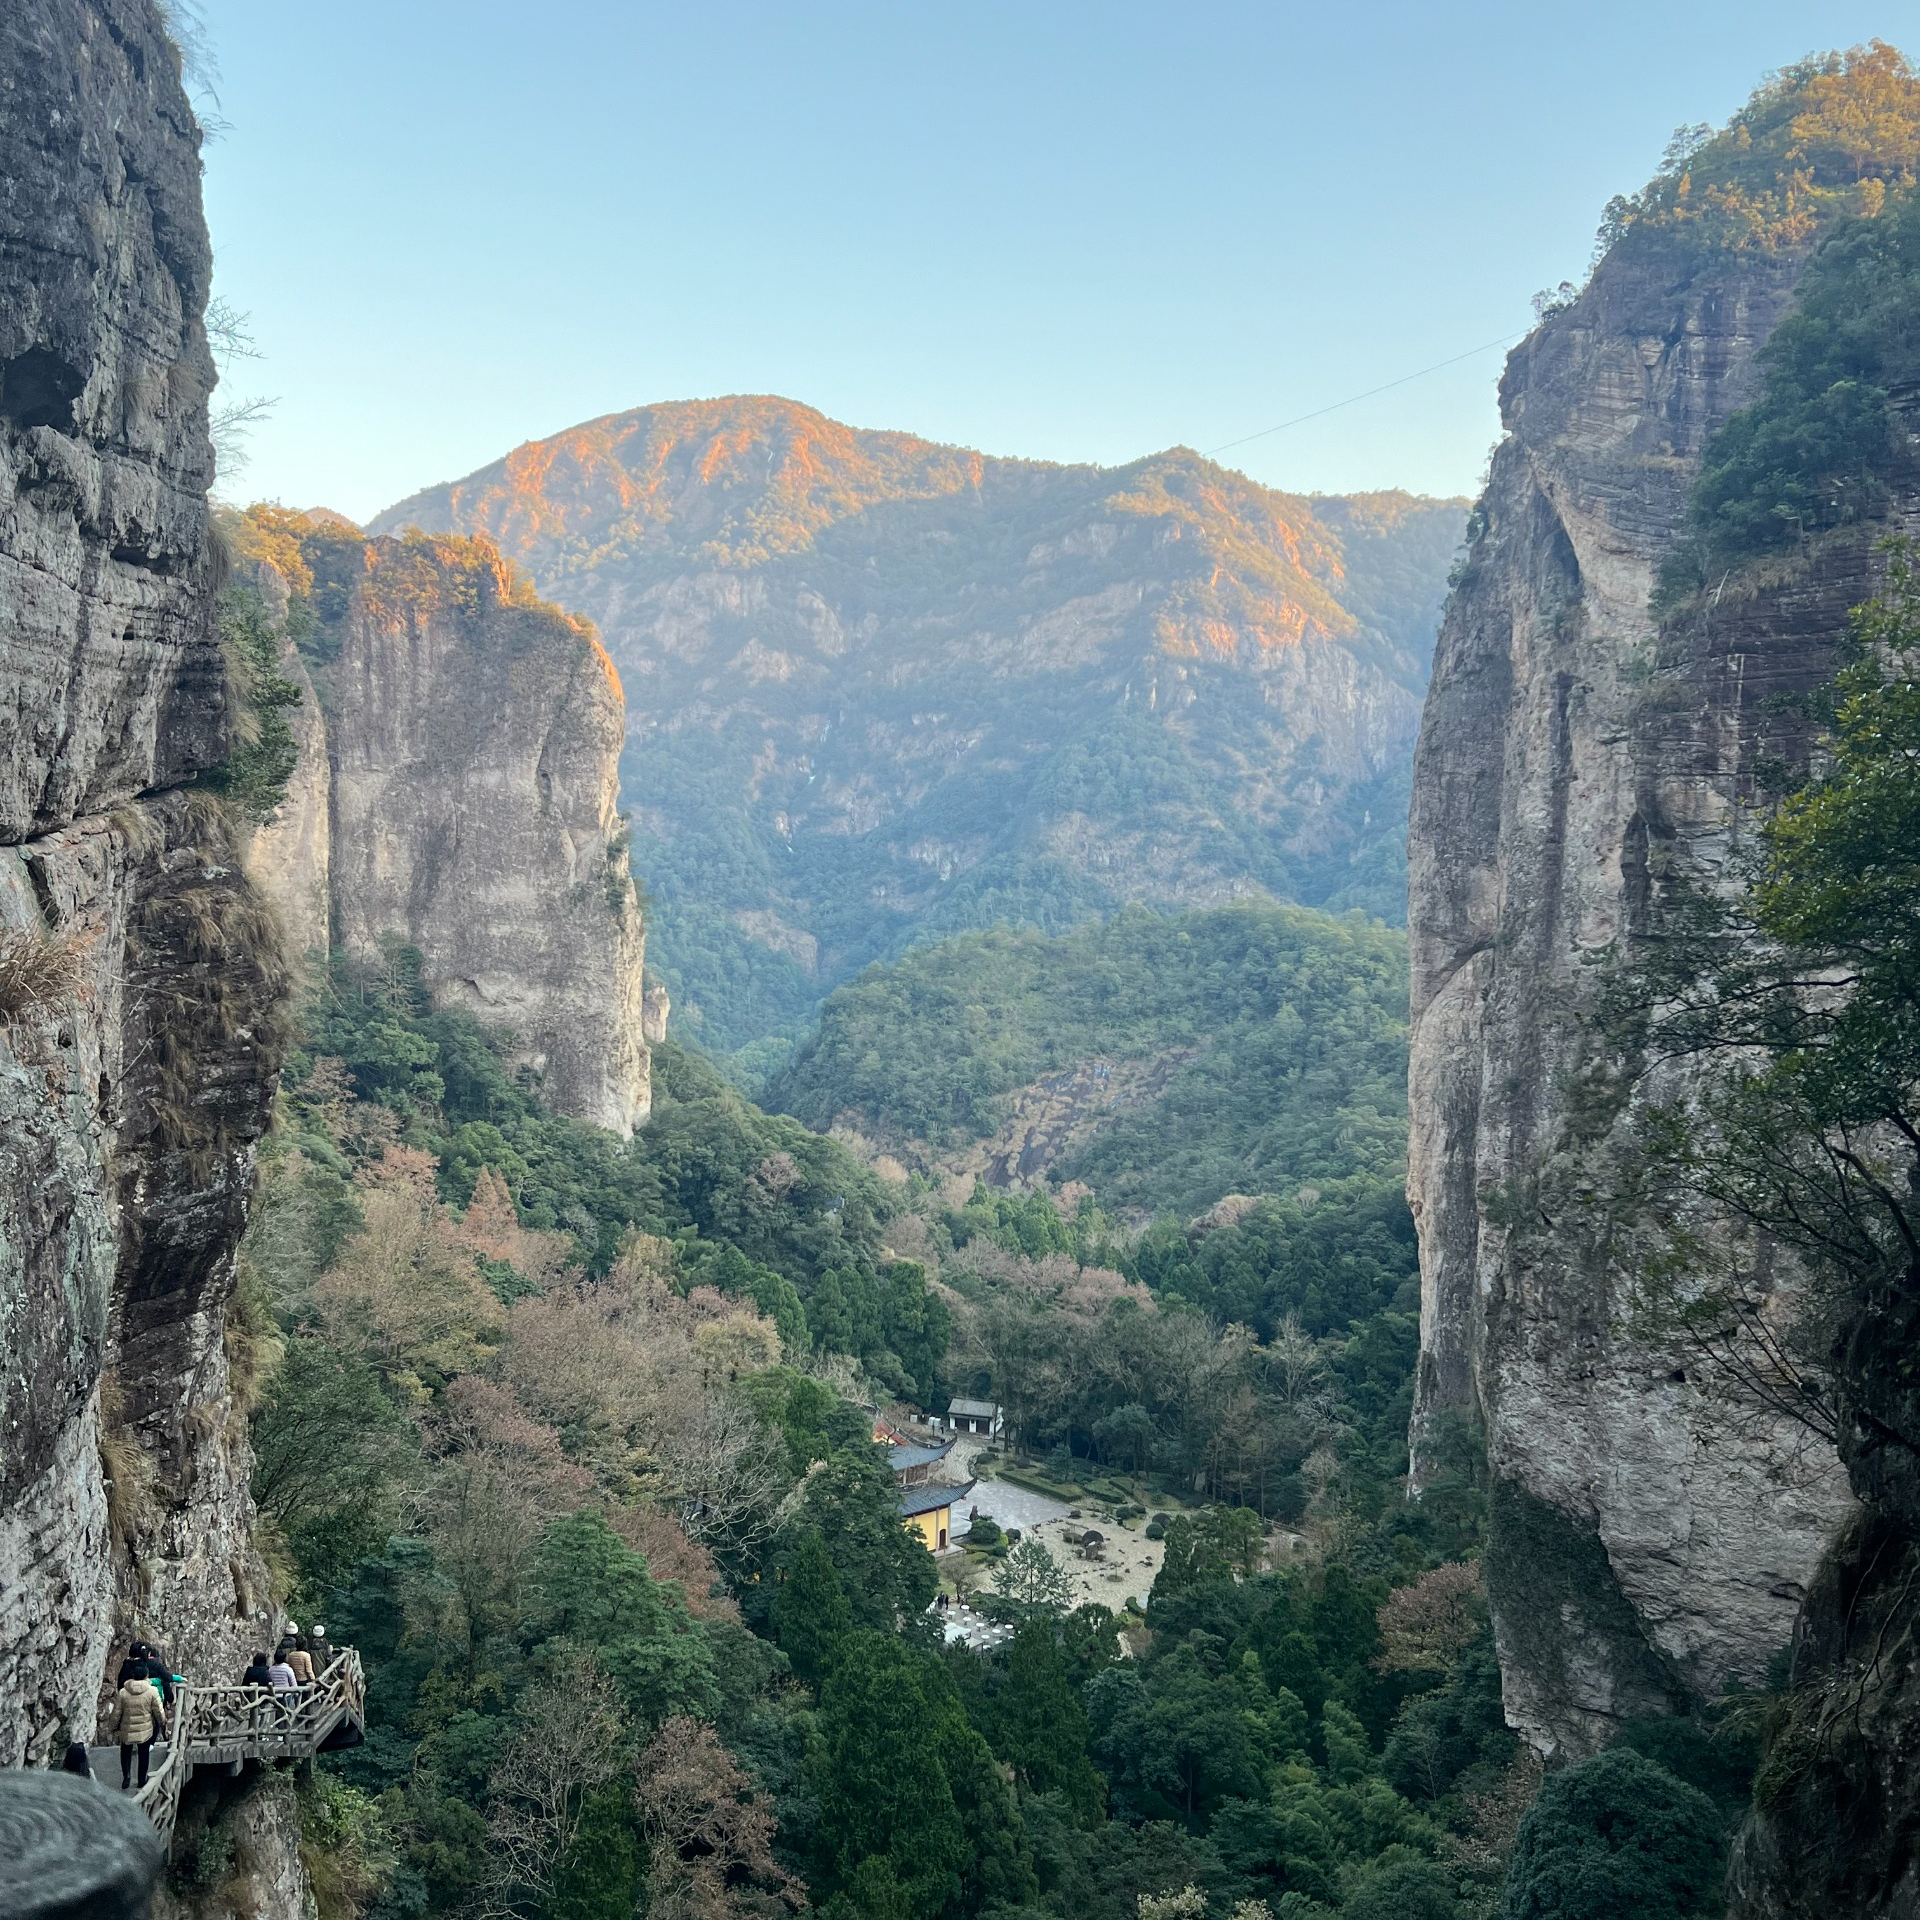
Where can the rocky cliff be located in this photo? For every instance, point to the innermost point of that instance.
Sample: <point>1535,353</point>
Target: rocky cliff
<point>140,973</point>
<point>456,789</point>
<point>1652,1537</point>
<point>879,684</point>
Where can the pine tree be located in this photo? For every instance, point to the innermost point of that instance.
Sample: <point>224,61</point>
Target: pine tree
<point>1040,1729</point>
<point>883,1790</point>
<point>604,1872</point>
<point>887,1574</point>
<point>1032,1581</point>
<point>810,1613</point>
<point>902,1776</point>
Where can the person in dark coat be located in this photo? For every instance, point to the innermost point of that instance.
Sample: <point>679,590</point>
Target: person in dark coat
<point>142,1664</point>
<point>76,1759</point>
<point>259,1674</point>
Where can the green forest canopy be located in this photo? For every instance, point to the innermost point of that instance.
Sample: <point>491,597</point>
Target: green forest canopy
<point>643,1630</point>
<point>595,1693</point>
<point>1296,1022</point>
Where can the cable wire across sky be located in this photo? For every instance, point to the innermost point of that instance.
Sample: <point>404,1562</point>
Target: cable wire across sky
<point>1353,399</point>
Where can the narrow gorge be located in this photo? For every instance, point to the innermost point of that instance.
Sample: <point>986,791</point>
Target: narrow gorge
<point>1176,1396</point>
<point>883,689</point>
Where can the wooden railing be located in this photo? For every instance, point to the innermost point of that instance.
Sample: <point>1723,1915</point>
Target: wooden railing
<point>223,1726</point>
<point>159,1799</point>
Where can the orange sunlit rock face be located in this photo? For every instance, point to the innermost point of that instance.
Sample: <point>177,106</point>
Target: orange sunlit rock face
<point>736,480</point>
<point>736,483</point>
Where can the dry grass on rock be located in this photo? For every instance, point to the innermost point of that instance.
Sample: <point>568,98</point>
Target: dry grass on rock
<point>37,970</point>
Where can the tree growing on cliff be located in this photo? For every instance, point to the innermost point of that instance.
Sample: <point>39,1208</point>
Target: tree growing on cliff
<point>1821,446</point>
<point>1827,136</point>
<point>263,752</point>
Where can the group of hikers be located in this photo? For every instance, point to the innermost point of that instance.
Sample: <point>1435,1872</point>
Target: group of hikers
<point>295,1661</point>
<point>143,1701</point>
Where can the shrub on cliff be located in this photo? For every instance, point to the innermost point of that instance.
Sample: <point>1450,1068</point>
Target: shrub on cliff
<point>1821,445</point>
<point>260,761</point>
<point>37,970</point>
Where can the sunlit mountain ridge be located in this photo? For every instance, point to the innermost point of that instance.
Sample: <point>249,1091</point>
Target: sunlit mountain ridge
<point>880,688</point>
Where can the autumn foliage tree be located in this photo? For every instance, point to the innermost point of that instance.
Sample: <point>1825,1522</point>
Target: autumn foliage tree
<point>1428,1624</point>
<point>711,1833</point>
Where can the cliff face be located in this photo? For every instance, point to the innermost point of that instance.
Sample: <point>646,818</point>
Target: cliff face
<point>114,681</point>
<point>290,855</point>
<point>1648,1544</point>
<point>457,789</point>
<point>139,972</point>
<point>880,684</point>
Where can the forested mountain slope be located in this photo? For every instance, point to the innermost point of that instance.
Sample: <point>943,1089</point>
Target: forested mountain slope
<point>566,1434</point>
<point>878,687</point>
<point>1166,1060</point>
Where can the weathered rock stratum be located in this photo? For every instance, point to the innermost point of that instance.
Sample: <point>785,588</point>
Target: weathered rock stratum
<point>140,973</point>
<point>881,685</point>
<point>1650,1543</point>
<point>457,790</point>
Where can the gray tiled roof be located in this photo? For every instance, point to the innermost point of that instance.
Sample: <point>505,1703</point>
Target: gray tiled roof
<point>915,1500</point>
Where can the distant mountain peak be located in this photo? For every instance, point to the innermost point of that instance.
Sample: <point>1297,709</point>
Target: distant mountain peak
<point>744,478</point>
<point>879,685</point>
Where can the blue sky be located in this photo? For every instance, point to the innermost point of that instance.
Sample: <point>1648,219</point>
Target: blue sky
<point>1065,230</point>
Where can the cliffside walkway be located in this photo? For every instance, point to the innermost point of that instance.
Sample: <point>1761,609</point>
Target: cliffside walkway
<point>226,1726</point>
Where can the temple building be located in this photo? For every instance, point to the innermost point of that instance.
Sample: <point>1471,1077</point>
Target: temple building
<point>928,1510</point>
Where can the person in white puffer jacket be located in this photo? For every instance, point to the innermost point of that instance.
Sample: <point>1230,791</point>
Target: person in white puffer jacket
<point>136,1719</point>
